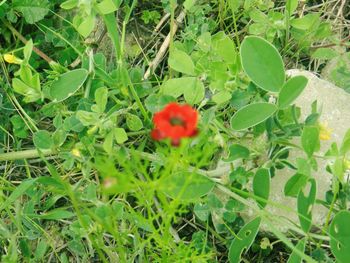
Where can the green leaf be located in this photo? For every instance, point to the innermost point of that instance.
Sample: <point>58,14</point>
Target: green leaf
<point>186,186</point>
<point>223,45</point>
<point>55,214</point>
<point>295,184</point>
<point>88,118</point>
<point>17,193</point>
<point>191,87</point>
<point>69,4</point>
<point>188,4</point>
<point>195,94</point>
<point>40,249</point>
<point>291,6</point>
<point>181,62</point>
<point>306,22</point>
<point>325,53</point>
<point>202,211</point>
<point>244,240</point>
<point>310,140</point>
<point>156,102</point>
<point>291,90</point>
<point>84,25</point>
<point>72,123</point>
<point>101,97</point>
<point>262,63</point>
<point>261,185</point>
<point>59,137</point>
<point>107,7</point>
<point>30,93</point>
<point>294,257</point>
<point>345,146</point>
<point>237,151</point>
<point>67,84</point>
<point>305,205</point>
<point>120,135</point>
<point>222,97</point>
<point>339,233</point>
<point>133,122</point>
<point>252,115</point>
<point>43,140</point>
<point>27,51</point>
<point>32,10</point>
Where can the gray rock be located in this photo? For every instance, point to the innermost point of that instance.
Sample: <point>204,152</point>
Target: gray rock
<point>334,103</point>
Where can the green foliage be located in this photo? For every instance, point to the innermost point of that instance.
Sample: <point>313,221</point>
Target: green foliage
<point>340,236</point>
<point>32,10</point>
<point>263,64</point>
<point>252,115</point>
<point>67,84</point>
<point>244,239</point>
<point>83,178</point>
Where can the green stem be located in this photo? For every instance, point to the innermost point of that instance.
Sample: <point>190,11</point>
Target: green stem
<point>27,154</point>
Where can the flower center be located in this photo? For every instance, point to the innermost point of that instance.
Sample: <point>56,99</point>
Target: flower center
<point>175,121</point>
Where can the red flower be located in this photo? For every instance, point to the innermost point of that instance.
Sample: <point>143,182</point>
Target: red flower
<point>175,122</point>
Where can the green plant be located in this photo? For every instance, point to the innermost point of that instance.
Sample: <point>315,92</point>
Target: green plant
<point>91,172</point>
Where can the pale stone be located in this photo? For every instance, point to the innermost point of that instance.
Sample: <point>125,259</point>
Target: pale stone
<point>335,105</point>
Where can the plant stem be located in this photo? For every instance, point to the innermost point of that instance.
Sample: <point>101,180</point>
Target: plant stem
<point>27,154</point>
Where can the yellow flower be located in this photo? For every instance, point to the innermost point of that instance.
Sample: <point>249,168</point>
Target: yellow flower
<point>325,132</point>
<point>12,59</point>
<point>75,152</point>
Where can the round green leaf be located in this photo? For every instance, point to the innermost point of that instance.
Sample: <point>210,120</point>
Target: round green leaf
<point>43,140</point>
<point>181,62</point>
<point>340,236</point>
<point>262,63</point>
<point>187,186</point>
<point>133,122</point>
<point>252,115</point>
<point>67,84</point>
<point>291,90</point>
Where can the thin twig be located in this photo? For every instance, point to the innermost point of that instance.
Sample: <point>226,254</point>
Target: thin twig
<point>24,40</point>
<point>163,49</point>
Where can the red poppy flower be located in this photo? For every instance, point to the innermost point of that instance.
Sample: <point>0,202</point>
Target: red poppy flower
<point>175,122</point>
